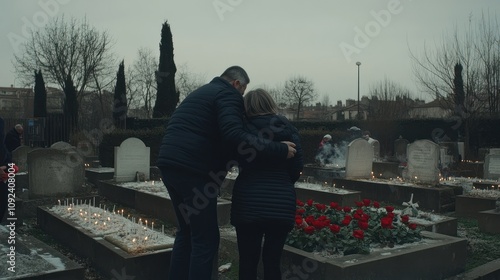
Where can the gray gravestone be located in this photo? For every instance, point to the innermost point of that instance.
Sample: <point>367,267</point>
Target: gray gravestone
<point>359,160</point>
<point>400,146</point>
<point>54,171</point>
<point>131,157</point>
<point>61,145</point>
<point>20,157</point>
<point>376,148</point>
<point>494,151</point>
<point>423,160</point>
<point>492,166</point>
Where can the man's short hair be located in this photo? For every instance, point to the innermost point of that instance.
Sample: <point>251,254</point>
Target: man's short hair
<point>236,73</point>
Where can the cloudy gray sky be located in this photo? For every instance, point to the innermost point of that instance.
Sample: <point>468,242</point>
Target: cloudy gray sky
<point>273,40</point>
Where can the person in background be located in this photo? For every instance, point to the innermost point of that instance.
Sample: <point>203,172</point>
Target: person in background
<point>354,133</point>
<point>263,200</point>
<point>326,139</point>
<point>195,154</point>
<point>326,151</point>
<point>5,159</point>
<point>14,137</point>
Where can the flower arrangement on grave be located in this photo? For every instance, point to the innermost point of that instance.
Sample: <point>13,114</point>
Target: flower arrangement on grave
<point>349,230</point>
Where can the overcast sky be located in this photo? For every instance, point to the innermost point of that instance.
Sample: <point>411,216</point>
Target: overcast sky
<point>273,40</point>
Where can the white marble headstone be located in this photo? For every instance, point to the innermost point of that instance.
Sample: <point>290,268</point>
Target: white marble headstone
<point>423,160</point>
<point>492,166</point>
<point>359,160</point>
<point>131,156</point>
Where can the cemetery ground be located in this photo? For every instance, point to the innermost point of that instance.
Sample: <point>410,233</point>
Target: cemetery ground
<point>481,247</point>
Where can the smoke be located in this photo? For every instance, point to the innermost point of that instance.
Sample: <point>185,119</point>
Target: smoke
<point>332,155</point>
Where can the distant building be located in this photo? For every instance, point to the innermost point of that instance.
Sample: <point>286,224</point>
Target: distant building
<point>17,103</point>
<point>435,109</point>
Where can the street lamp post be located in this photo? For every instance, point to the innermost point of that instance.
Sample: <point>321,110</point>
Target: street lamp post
<point>358,64</point>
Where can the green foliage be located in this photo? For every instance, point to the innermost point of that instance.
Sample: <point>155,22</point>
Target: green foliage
<point>40,99</point>
<point>481,247</point>
<point>70,103</point>
<point>120,98</point>
<point>167,96</point>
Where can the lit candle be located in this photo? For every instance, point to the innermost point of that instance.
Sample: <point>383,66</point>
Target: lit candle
<point>59,201</point>
<point>152,225</point>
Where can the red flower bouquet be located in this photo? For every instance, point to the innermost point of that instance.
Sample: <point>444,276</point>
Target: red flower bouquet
<point>346,230</point>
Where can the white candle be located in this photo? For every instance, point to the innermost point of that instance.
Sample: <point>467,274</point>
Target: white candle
<point>152,225</point>
<point>59,201</point>
<point>163,229</point>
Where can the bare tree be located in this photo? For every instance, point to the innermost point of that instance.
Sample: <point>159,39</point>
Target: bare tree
<point>389,100</point>
<point>300,92</point>
<point>141,84</point>
<point>66,48</point>
<point>476,48</point>
<point>186,81</point>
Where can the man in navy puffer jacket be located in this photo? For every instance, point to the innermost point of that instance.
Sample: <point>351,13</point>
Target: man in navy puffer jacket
<point>205,129</point>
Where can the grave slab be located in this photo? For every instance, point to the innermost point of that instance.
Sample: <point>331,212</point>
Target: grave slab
<point>470,206</point>
<point>105,256</point>
<point>439,198</point>
<point>36,260</point>
<point>443,256</point>
<point>489,221</point>
<point>94,175</point>
<point>346,198</point>
<point>151,204</point>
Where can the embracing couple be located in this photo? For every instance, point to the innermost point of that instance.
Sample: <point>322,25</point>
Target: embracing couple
<point>216,127</point>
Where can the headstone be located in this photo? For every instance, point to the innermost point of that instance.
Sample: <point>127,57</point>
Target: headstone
<point>359,160</point>
<point>61,145</point>
<point>423,160</point>
<point>54,171</point>
<point>400,146</point>
<point>376,148</point>
<point>20,157</point>
<point>131,156</point>
<point>492,166</point>
<point>494,151</point>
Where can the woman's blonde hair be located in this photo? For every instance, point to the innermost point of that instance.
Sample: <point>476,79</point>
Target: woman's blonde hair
<point>259,102</point>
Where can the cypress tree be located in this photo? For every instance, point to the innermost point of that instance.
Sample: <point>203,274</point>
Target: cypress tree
<point>70,104</point>
<point>40,100</point>
<point>120,98</point>
<point>459,93</point>
<point>166,95</point>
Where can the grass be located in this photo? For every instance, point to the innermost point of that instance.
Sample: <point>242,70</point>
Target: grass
<point>481,247</point>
